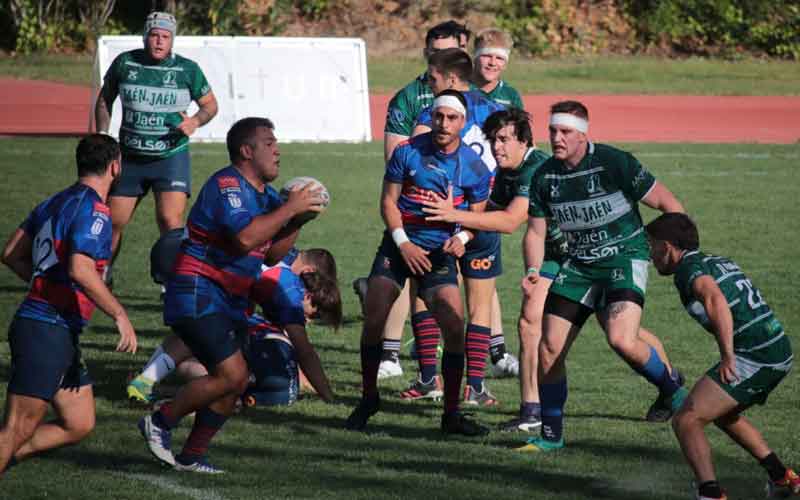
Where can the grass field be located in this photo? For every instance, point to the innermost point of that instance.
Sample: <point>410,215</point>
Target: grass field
<point>742,197</point>
<point>591,75</point>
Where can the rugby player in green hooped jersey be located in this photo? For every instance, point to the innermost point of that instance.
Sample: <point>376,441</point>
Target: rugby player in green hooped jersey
<point>754,349</point>
<point>592,191</point>
<point>155,87</point>
<point>403,110</point>
<point>511,137</point>
<point>492,50</point>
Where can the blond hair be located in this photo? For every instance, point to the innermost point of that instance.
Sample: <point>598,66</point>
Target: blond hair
<point>493,37</point>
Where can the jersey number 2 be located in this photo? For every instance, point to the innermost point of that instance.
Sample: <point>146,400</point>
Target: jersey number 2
<point>753,295</point>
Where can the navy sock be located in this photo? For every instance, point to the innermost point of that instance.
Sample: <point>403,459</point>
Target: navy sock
<point>710,489</point>
<point>774,467</point>
<point>452,373</point>
<point>370,361</point>
<point>554,397</point>
<point>528,409</point>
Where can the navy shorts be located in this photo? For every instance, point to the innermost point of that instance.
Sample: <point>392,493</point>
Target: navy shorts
<point>274,376</point>
<point>482,258</point>
<point>389,263</point>
<point>212,338</point>
<point>167,174</point>
<point>44,358</point>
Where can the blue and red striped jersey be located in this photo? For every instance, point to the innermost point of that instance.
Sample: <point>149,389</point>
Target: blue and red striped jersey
<point>424,171</point>
<point>280,294</point>
<point>211,275</point>
<point>75,220</point>
<point>479,107</point>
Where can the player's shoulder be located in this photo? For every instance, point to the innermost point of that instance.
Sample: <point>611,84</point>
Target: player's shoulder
<point>610,153</point>
<point>184,62</point>
<point>413,90</point>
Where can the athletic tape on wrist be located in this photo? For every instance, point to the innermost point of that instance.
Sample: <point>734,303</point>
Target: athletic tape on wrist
<point>463,236</point>
<point>570,120</point>
<point>399,236</point>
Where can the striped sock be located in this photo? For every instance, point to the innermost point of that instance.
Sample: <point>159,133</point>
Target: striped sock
<point>206,425</point>
<point>164,418</point>
<point>391,350</point>
<point>554,397</point>
<point>426,337</point>
<point>497,347</point>
<point>476,349</point>
<point>452,373</point>
<point>370,361</point>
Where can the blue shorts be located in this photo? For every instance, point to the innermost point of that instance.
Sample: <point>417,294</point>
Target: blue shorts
<point>212,338</point>
<point>482,258</point>
<point>389,263</point>
<point>274,377</point>
<point>44,359</point>
<point>167,174</point>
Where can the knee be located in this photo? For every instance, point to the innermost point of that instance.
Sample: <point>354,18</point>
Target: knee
<point>621,343</point>
<point>79,429</point>
<point>169,221</point>
<point>686,419</point>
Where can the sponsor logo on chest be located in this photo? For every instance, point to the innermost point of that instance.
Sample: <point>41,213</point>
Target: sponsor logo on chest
<point>588,214</point>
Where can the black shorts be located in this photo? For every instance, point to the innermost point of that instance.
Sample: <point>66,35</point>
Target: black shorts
<point>164,175</point>
<point>212,338</point>
<point>389,263</point>
<point>482,258</point>
<point>44,359</point>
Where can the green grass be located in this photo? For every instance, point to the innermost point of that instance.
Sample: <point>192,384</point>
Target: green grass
<point>593,75</point>
<point>743,199</point>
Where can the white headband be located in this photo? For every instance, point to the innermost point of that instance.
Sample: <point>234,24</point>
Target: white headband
<point>569,120</point>
<point>495,51</point>
<point>449,101</point>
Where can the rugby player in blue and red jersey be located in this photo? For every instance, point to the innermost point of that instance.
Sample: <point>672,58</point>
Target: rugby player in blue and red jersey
<point>62,249</point>
<point>413,248</point>
<point>231,226</point>
<point>481,263</point>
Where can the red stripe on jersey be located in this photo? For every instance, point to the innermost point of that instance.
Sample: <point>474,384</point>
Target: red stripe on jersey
<point>230,282</point>
<point>227,182</point>
<point>419,220</point>
<point>203,237</point>
<point>102,208</point>
<point>263,289</point>
<point>62,297</point>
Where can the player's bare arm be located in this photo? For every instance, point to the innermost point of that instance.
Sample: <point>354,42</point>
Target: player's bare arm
<point>415,257</point>
<point>505,221</point>
<point>102,109</point>
<point>721,319</point>
<point>309,361</point>
<point>390,142</point>
<point>208,110</point>
<point>660,198</point>
<point>83,271</point>
<point>265,227</point>
<point>17,255</point>
<point>533,250</point>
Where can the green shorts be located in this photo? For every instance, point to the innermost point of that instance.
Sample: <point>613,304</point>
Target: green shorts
<point>596,284</point>
<point>757,378</point>
<point>550,269</point>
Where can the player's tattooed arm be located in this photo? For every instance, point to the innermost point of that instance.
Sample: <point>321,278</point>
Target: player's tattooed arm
<point>17,255</point>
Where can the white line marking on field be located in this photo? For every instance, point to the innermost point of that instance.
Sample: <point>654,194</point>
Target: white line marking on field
<point>174,487</point>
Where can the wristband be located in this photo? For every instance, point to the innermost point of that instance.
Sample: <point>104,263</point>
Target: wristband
<point>399,236</point>
<point>532,269</point>
<point>463,236</point>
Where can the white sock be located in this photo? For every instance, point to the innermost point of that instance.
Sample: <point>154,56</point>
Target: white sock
<point>158,366</point>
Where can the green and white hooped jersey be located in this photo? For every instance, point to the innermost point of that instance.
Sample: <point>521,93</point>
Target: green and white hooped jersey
<point>596,203</point>
<point>510,183</point>
<point>506,95</point>
<point>152,96</point>
<point>756,330</point>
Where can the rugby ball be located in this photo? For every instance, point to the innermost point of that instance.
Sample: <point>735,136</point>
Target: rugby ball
<point>301,182</point>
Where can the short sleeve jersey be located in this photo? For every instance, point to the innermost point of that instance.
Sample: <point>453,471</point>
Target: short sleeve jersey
<point>280,294</point>
<point>511,183</point>
<point>424,171</point>
<point>478,110</point>
<point>506,95</point>
<point>755,327</point>
<point>73,221</point>
<point>406,105</point>
<point>153,94</point>
<point>596,203</point>
<point>211,275</point>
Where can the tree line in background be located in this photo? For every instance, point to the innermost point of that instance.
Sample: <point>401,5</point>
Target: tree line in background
<point>725,28</point>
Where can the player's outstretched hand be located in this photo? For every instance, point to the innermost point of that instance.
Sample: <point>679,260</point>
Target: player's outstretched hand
<point>454,246</point>
<point>416,258</point>
<point>306,199</point>
<point>127,335</point>
<point>441,209</point>
<point>188,125</point>
<point>727,370</point>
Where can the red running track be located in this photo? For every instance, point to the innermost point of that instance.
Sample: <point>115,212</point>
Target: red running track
<point>44,108</point>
